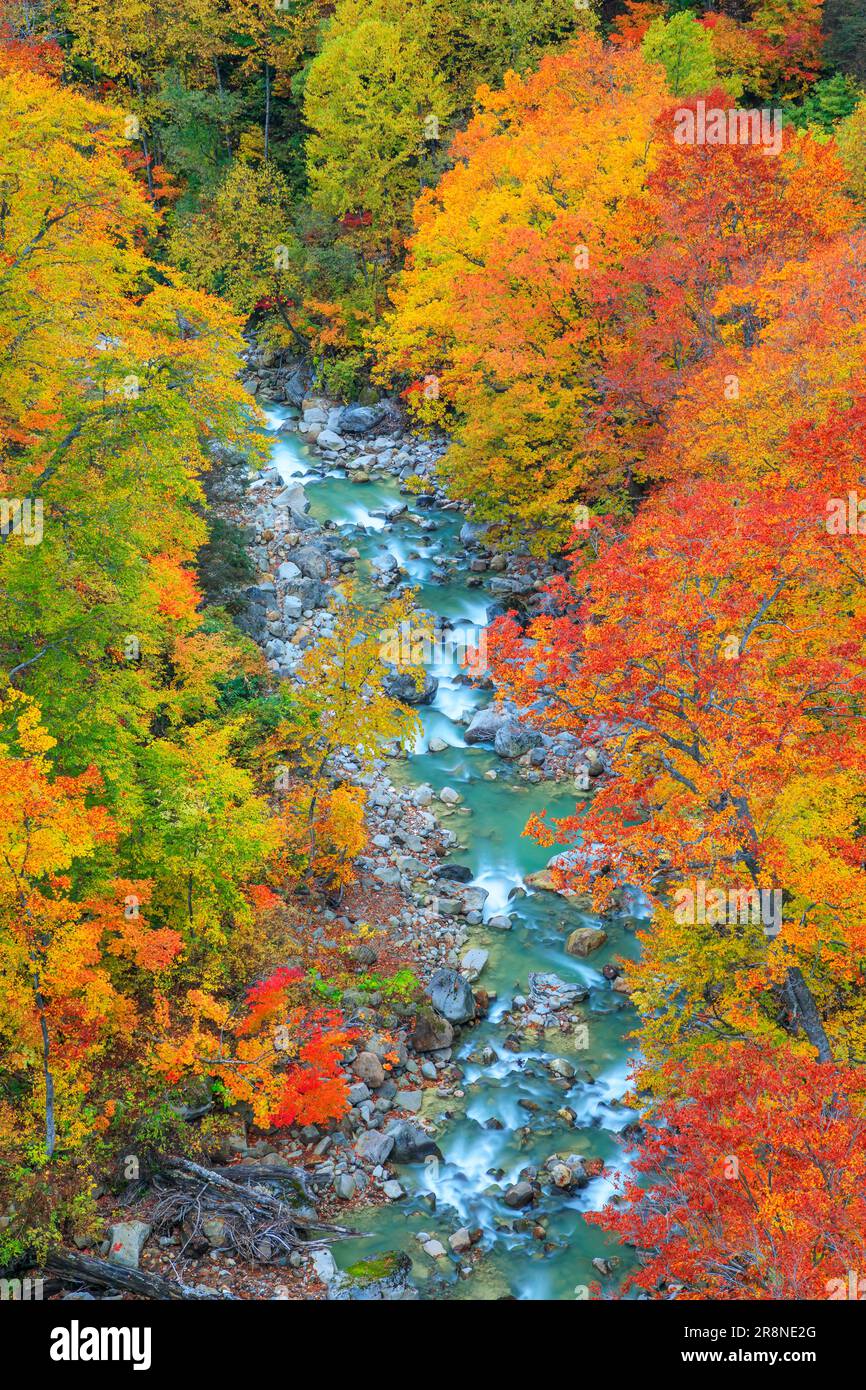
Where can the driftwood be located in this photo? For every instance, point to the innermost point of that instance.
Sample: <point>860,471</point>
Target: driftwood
<point>83,1269</point>
<point>255,1224</point>
<point>185,1169</point>
<point>260,1173</point>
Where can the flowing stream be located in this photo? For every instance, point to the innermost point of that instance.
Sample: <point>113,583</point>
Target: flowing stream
<point>466,1189</point>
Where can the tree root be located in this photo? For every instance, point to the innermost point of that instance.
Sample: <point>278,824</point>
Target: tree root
<point>256,1225</point>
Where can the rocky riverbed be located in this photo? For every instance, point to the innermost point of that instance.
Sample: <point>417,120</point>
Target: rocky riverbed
<point>451,1198</point>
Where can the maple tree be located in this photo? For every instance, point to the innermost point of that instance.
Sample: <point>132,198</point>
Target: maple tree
<point>63,1004</point>
<point>753,1182</point>
<point>560,314</point>
<point>277,1052</point>
<point>692,643</point>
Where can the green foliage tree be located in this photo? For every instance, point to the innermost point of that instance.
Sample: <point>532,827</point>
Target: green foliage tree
<point>685,50</point>
<point>373,109</point>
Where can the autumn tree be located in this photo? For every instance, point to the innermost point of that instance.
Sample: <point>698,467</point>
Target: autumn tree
<point>498,301</point>
<point>695,648</point>
<point>278,1052</point>
<point>685,50</point>
<point>372,108</point>
<point>751,1182</point>
<point>345,703</point>
<point>65,1004</point>
<point>561,313</point>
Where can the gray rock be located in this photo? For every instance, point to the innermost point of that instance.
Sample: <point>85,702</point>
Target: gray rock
<point>402,686</point>
<point>451,996</point>
<point>384,563</point>
<point>431,1032</point>
<point>474,962</point>
<point>457,873</point>
<point>519,1195</point>
<point>369,1069</point>
<point>484,725</point>
<point>513,740</point>
<point>382,1278</point>
<point>311,562</point>
<point>584,940</point>
<point>325,1266</point>
<point>126,1242</point>
<point>361,419</point>
<point>294,498</point>
<point>461,1241</point>
<point>410,1143</point>
<point>329,439</point>
<point>373,1147</point>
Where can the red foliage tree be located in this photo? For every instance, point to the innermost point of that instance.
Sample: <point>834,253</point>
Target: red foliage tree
<point>757,1182</point>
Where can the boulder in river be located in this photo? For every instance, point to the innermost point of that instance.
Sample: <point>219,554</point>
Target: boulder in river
<point>585,940</point>
<point>381,1278</point>
<point>548,991</point>
<point>519,1195</point>
<point>401,685</point>
<point>474,962</point>
<point>410,1143</point>
<point>484,725</point>
<point>451,996</point>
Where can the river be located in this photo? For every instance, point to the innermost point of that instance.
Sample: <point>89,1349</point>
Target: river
<point>466,1188</point>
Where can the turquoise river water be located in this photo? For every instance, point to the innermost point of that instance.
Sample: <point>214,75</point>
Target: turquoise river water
<point>466,1188</point>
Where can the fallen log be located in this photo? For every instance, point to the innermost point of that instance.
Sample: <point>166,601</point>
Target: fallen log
<point>84,1269</point>
<point>260,1173</point>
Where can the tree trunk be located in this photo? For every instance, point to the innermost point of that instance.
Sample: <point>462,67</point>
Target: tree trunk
<point>219,78</point>
<point>267,108</point>
<point>50,1123</point>
<point>83,1269</point>
<point>805,1012</point>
